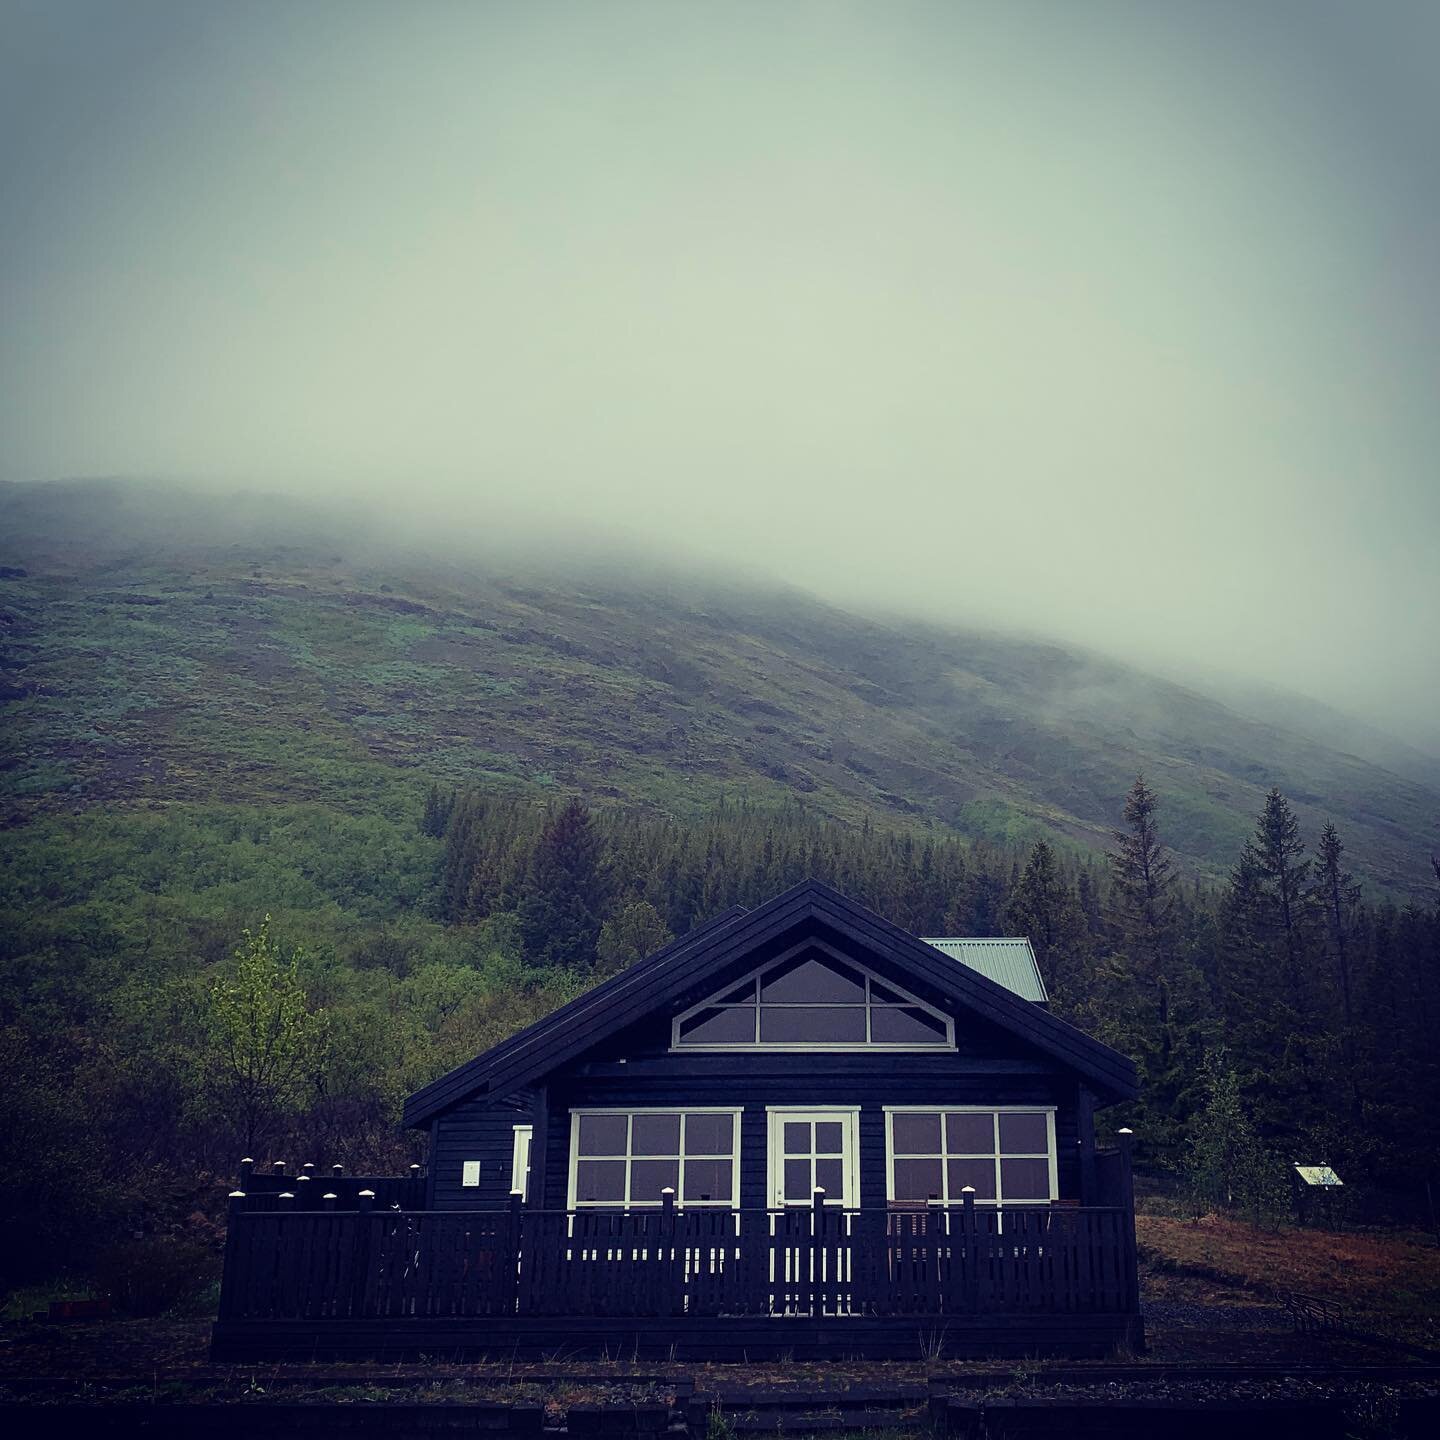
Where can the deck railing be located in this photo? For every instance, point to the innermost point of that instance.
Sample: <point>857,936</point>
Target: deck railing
<point>810,1261</point>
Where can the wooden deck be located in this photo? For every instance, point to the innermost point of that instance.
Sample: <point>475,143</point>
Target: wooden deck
<point>696,1283</point>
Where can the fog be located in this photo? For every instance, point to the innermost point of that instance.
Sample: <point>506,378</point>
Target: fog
<point>1117,322</point>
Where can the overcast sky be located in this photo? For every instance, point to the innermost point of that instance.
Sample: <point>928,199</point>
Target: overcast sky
<point>1117,321</point>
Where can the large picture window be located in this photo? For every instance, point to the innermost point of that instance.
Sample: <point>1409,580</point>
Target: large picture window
<point>630,1157</point>
<point>1007,1156</point>
<point>815,999</point>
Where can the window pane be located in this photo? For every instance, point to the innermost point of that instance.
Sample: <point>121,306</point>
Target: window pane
<point>708,1179</point>
<point>709,1134</point>
<point>916,1179</point>
<point>905,1027</point>
<point>970,1134</point>
<point>655,1135</point>
<point>602,1134</point>
<point>1024,1135</point>
<point>829,1137</point>
<point>916,1134</point>
<point>977,1173</point>
<point>600,1180</point>
<point>1025,1179</point>
<point>813,981</point>
<point>797,1179</point>
<point>649,1177</point>
<point>797,1137</point>
<point>740,995</point>
<point>818,1025</point>
<point>830,1177</point>
<point>881,996</point>
<point>734,1025</point>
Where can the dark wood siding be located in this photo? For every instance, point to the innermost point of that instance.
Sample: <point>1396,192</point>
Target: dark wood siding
<point>870,1082</point>
<point>472,1131</point>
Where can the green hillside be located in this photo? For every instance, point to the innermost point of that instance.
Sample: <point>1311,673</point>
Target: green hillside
<point>162,647</point>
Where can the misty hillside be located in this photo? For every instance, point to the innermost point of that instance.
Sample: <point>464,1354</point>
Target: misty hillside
<point>162,647</point>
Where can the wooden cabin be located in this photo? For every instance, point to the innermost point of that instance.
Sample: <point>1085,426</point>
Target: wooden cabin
<point>797,1130</point>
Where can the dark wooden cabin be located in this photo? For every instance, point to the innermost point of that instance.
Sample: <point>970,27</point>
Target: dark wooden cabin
<point>798,1130</point>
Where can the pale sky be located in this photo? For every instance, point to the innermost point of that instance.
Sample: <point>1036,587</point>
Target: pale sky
<point>1115,321</point>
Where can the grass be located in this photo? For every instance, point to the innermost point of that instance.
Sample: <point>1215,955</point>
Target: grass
<point>287,673</point>
<point>1388,1282</point>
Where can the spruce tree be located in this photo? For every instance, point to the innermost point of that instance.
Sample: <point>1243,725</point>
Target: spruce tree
<point>563,902</point>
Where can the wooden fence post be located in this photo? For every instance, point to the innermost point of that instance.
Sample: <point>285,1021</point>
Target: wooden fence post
<point>971,1251</point>
<point>360,1253</point>
<point>277,1167</point>
<point>1127,1223</point>
<point>328,1199</point>
<point>302,1195</point>
<point>247,1165</point>
<point>671,1267</point>
<point>817,1248</point>
<point>229,1271</point>
<point>511,1257</point>
<point>337,1170</point>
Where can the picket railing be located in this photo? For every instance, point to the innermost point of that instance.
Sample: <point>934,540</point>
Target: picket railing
<point>811,1261</point>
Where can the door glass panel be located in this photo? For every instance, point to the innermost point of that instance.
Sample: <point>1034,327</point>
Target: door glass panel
<point>830,1177</point>
<point>709,1134</point>
<point>797,1180</point>
<point>829,1137</point>
<point>979,1174</point>
<point>797,1137</point>
<point>970,1134</point>
<point>813,1025</point>
<point>602,1134</point>
<point>916,1134</point>
<point>708,1180</point>
<point>649,1177</point>
<point>1024,1135</point>
<point>917,1179</point>
<point>600,1180</point>
<point>1025,1179</point>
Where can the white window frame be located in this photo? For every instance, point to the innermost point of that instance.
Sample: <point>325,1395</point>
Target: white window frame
<point>630,1111</point>
<point>775,1118</point>
<point>523,1137</point>
<point>997,1110</point>
<point>811,1046</point>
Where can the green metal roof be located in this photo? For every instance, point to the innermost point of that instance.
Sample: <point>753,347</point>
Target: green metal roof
<point>1007,960</point>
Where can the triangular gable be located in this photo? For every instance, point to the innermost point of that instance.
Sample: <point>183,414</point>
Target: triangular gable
<point>678,972</point>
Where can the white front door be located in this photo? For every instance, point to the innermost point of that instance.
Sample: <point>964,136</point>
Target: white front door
<point>814,1148</point>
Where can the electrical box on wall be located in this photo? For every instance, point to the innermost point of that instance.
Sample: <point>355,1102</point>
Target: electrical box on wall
<point>470,1173</point>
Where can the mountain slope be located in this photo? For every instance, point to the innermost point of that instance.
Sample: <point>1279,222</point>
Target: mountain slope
<point>163,646</point>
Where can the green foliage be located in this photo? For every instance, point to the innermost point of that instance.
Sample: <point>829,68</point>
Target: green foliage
<point>155,1274</point>
<point>631,935</point>
<point>1227,1166</point>
<point>264,1042</point>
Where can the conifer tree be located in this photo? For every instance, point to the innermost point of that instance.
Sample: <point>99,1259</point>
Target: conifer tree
<point>632,934</point>
<point>565,892</point>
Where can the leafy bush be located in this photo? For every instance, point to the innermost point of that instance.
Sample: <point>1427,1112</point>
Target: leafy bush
<point>153,1275</point>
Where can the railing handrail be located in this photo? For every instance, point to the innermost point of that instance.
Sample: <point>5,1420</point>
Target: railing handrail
<point>1040,1207</point>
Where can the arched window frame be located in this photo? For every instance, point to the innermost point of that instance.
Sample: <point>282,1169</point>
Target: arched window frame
<point>810,1046</point>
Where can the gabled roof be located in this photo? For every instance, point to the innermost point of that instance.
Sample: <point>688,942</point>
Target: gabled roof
<point>677,972</point>
<point>1007,960</point>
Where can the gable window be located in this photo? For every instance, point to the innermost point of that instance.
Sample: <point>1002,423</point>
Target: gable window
<point>630,1157</point>
<point>1007,1156</point>
<point>813,999</point>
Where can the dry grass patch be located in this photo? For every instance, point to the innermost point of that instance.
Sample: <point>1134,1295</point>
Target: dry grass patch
<point>1371,1276</point>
